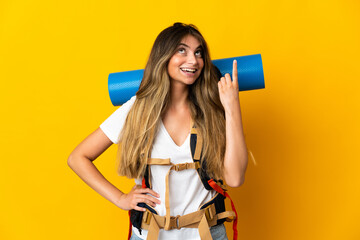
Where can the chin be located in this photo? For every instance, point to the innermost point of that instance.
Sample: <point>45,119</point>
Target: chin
<point>190,82</point>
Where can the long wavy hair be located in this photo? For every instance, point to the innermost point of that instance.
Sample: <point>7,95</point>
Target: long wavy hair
<point>142,122</point>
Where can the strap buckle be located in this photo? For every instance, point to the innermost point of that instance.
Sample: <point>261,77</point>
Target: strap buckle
<point>181,166</point>
<point>174,222</point>
<point>208,213</point>
<point>177,168</point>
<point>147,217</point>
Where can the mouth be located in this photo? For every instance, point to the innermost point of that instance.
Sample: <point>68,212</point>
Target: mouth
<point>189,70</point>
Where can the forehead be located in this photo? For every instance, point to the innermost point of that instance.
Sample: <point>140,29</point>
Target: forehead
<point>190,41</point>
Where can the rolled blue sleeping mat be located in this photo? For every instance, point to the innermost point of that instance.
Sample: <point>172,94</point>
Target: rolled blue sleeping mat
<point>123,85</point>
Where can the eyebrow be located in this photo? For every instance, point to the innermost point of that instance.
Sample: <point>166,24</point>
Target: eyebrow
<point>183,44</point>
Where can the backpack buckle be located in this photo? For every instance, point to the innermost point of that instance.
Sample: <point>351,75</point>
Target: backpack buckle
<point>174,222</point>
<point>209,214</point>
<point>147,217</point>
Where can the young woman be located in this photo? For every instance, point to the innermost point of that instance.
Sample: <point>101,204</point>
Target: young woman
<point>181,94</point>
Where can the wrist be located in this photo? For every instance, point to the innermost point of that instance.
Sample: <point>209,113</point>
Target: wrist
<point>120,200</point>
<point>232,110</point>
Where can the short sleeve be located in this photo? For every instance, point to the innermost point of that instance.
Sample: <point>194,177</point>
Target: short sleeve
<point>113,125</point>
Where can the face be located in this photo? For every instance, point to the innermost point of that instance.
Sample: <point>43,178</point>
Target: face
<point>186,64</point>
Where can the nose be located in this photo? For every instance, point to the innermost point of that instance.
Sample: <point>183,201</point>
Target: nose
<point>192,59</point>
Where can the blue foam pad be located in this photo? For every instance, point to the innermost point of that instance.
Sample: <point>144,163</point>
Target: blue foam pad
<point>123,85</point>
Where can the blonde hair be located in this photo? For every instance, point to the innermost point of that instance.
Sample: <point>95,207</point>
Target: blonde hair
<point>142,121</point>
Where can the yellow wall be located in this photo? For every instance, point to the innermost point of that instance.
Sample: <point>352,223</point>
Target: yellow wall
<point>303,129</point>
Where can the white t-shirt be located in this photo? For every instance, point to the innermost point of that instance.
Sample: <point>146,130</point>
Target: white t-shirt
<point>187,193</point>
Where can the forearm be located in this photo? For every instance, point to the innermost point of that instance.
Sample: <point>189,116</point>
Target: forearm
<point>87,171</point>
<point>235,160</point>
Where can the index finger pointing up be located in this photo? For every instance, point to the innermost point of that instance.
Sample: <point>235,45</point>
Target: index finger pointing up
<point>235,73</point>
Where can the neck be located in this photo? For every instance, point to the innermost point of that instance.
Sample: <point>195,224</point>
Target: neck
<point>178,95</point>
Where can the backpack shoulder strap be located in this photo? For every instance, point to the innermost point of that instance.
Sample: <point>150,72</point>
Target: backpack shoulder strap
<point>196,146</point>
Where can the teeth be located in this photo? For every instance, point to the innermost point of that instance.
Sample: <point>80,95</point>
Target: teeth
<point>188,70</point>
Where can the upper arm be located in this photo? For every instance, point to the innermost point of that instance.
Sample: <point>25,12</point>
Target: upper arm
<point>93,145</point>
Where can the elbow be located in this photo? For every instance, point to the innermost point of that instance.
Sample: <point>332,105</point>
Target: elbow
<point>235,178</point>
<point>70,161</point>
<point>76,159</point>
<point>236,182</point>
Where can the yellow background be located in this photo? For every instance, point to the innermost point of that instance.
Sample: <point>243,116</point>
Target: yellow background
<point>303,129</point>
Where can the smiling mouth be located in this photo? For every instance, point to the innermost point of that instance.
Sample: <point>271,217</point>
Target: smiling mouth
<point>189,70</point>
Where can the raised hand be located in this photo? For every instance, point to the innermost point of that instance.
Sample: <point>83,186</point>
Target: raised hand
<point>138,195</point>
<point>229,90</point>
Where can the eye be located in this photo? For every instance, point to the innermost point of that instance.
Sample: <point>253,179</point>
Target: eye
<point>198,53</point>
<point>181,50</point>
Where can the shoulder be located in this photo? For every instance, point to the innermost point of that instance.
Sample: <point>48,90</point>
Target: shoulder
<point>124,109</point>
<point>129,103</point>
<point>113,125</point>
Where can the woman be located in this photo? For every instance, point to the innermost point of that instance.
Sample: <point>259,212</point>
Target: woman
<point>180,89</point>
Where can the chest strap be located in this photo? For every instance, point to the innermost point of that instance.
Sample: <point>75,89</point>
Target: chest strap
<point>174,167</point>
